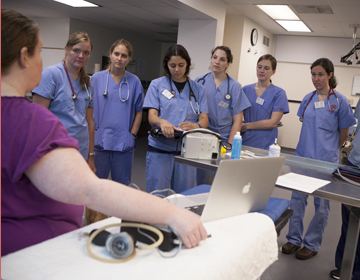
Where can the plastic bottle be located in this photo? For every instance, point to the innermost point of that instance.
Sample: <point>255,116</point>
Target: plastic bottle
<point>274,149</point>
<point>236,146</point>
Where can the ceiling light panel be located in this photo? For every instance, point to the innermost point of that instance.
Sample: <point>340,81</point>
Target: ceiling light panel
<point>77,3</point>
<point>281,12</point>
<point>293,25</point>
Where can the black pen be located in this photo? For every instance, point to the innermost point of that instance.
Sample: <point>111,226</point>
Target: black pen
<point>187,116</point>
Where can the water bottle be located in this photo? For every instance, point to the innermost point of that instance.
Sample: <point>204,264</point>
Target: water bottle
<point>274,149</point>
<point>236,146</point>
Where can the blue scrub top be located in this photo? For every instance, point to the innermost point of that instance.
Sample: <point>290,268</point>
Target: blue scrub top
<point>319,138</point>
<point>114,118</point>
<point>354,156</point>
<point>173,110</point>
<point>55,85</point>
<point>221,117</point>
<point>275,100</point>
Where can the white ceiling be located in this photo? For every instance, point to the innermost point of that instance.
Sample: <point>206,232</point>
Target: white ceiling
<point>158,19</point>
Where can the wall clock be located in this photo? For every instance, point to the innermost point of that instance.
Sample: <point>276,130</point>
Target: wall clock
<point>254,37</point>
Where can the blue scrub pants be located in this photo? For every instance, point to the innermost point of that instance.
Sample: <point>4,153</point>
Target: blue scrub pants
<point>345,214</point>
<point>314,233</point>
<point>163,173</point>
<point>120,164</point>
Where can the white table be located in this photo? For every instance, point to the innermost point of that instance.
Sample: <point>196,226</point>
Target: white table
<point>241,247</point>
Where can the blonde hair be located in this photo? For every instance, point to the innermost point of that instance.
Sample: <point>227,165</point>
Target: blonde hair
<point>76,38</point>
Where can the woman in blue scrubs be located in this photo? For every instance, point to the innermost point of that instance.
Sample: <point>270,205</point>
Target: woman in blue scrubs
<point>226,101</point>
<point>225,97</point>
<point>268,104</point>
<point>175,103</point>
<point>66,91</point>
<point>118,100</point>
<point>326,115</point>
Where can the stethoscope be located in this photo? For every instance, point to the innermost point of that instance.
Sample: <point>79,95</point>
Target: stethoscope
<point>190,95</point>
<point>74,95</point>
<point>227,96</point>
<point>124,81</point>
<point>331,91</point>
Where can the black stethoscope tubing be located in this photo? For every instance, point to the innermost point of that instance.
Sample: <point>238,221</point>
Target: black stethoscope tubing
<point>331,91</point>
<point>191,94</point>
<point>227,96</point>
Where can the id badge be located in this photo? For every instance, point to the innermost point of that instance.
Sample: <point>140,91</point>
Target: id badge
<point>223,104</point>
<point>260,101</point>
<point>319,105</point>
<point>167,94</point>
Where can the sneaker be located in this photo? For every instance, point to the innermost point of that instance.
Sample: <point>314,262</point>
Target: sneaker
<point>335,274</point>
<point>289,248</point>
<point>305,254</point>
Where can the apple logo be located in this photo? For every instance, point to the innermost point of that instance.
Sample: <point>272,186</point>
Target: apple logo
<point>246,188</point>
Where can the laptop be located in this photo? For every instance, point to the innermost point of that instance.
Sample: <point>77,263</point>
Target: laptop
<point>240,186</point>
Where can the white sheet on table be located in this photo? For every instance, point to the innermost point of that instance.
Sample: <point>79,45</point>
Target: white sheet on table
<point>241,247</point>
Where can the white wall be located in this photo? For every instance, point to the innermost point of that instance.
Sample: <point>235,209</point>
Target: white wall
<point>54,33</point>
<point>198,37</point>
<point>102,38</point>
<point>248,60</point>
<point>214,9</point>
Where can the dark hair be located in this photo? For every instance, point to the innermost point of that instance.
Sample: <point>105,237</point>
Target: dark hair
<point>329,68</point>
<point>74,39</point>
<point>229,56</point>
<point>17,31</point>
<point>268,57</point>
<point>120,42</point>
<point>176,50</point>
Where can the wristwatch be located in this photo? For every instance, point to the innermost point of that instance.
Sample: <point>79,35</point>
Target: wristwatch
<point>92,154</point>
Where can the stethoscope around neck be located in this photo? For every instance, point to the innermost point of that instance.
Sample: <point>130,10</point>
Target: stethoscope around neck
<point>227,96</point>
<point>197,112</point>
<point>331,91</point>
<point>124,81</point>
<point>74,95</point>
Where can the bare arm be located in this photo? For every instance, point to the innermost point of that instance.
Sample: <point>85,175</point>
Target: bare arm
<point>166,127</point>
<point>343,135</point>
<point>43,101</point>
<point>91,126</point>
<point>203,121</point>
<point>80,186</point>
<point>264,124</point>
<point>237,122</point>
<point>137,122</point>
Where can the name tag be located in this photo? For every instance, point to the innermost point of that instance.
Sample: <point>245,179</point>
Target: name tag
<point>167,94</point>
<point>223,104</point>
<point>260,101</point>
<point>319,104</point>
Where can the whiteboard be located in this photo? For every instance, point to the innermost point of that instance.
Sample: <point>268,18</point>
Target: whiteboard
<point>356,85</point>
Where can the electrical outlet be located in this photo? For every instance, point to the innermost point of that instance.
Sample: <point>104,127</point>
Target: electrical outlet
<point>351,101</point>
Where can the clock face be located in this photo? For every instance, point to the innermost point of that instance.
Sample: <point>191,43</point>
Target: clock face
<point>254,37</point>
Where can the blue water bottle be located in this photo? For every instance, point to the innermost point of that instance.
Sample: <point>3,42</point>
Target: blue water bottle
<point>236,146</point>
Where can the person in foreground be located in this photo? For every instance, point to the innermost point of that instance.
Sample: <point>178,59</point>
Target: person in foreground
<point>353,160</point>
<point>326,116</point>
<point>45,180</point>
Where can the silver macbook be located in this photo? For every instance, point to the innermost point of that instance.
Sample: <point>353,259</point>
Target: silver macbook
<point>240,186</point>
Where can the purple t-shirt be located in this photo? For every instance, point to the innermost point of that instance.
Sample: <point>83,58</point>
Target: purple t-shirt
<point>28,132</point>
